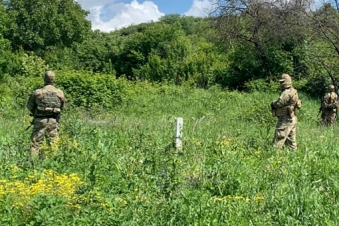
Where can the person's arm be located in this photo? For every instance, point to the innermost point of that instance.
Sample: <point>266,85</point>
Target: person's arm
<point>325,101</point>
<point>282,101</point>
<point>31,104</point>
<point>62,99</point>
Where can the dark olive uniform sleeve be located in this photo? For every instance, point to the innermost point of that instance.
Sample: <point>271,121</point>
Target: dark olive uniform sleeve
<point>62,98</point>
<point>31,104</point>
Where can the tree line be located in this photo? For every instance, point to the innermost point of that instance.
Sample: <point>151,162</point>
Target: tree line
<point>241,43</point>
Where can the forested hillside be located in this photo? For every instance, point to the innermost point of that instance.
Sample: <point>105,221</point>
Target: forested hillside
<point>243,45</point>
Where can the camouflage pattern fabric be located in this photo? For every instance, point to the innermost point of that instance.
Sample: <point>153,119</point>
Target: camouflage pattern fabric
<point>329,109</point>
<point>328,118</point>
<point>42,128</point>
<point>47,101</point>
<point>285,132</point>
<point>45,104</point>
<point>284,110</point>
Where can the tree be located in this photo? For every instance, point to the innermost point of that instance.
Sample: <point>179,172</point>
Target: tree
<point>260,22</point>
<point>9,62</point>
<point>135,48</point>
<point>4,20</point>
<point>324,23</point>
<point>39,24</point>
<point>267,26</point>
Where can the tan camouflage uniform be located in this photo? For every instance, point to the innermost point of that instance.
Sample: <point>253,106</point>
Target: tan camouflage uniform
<point>284,110</point>
<point>45,104</point>
<point>329,107</point>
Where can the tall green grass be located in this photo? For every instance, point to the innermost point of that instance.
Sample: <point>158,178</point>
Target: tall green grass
<point>227,172</point>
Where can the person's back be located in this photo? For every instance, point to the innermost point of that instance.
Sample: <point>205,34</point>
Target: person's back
<point>45,104</point>
<point>48,101</point>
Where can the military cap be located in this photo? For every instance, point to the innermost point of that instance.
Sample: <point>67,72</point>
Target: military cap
<point>285,77</point>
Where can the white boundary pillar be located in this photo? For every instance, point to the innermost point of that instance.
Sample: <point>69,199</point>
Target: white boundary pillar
<point>178,134</point>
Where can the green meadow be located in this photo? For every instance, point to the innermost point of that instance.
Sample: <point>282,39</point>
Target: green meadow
<point>119,166</point>
<point>115,162</point>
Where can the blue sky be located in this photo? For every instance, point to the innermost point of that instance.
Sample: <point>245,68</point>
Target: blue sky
<point>109,15</point>
<point>173,6</point>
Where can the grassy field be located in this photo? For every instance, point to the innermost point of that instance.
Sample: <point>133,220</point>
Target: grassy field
<point>120,167</point>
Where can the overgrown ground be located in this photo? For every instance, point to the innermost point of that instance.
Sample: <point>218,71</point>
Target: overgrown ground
<point>120,168</point>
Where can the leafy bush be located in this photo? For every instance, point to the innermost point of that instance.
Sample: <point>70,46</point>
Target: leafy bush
<point>82,89</point>
<point>261,85</point>
<point>89,90</point>
<point>14,92</point>
<point>316,86</point>
<point>32,65</point>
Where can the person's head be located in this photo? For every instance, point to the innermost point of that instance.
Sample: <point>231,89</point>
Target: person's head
<point>49,78</point>
<point>285,81</point>
<point>331,88</point>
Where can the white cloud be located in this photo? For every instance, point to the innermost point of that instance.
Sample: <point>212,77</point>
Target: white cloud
<point>106,15</point>
<point>88,4</point>
<point>199,8</point>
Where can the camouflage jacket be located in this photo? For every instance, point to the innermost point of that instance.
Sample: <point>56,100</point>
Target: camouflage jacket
<point>287,102</point>
<point>47,101</point>
<point>330,101</point>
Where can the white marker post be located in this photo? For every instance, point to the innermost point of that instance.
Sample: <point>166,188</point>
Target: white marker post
<point>178,135</point>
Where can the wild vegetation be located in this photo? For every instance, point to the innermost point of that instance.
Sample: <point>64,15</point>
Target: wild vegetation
<point>240,42</point>
<point>120,167</point>
<point>115,163</point>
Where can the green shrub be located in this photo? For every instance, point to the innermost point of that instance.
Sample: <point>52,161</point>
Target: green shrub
<point>261,85</point>
<point>89,90</point>
<point>316,86</point>
<point>32,65</point>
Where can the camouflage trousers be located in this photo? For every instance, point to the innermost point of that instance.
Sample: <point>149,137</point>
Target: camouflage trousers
<point>328,118</point>
<point>285,132</point>
<point>43,128</point>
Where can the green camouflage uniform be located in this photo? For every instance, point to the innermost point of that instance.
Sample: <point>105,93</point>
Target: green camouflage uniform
<point>45,104</point>
<point>329,107</point>
<point>284,110</point>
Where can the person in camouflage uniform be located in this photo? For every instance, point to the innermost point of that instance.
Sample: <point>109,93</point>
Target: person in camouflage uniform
<point>284,110</point>
<point>329,107</point>
<point>45,104</point>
